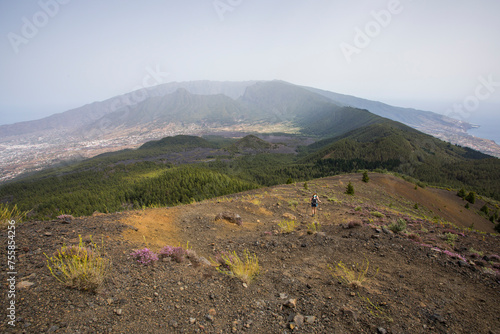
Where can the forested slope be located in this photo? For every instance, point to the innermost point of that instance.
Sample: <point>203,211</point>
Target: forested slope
<point>183,169</point>
<point>396,147</point>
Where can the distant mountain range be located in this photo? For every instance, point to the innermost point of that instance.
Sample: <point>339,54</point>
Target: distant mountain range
<point>224,103</point>
<point>202,107</point>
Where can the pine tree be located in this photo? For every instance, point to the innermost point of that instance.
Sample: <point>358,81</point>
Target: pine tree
<point>471,197</point>
<point>366,178</point>
<point>349,189</point>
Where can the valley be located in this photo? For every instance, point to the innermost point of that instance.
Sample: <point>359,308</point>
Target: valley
<point>21,156</point>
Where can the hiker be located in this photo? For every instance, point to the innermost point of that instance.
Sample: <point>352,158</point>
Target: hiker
<point>314,203</point>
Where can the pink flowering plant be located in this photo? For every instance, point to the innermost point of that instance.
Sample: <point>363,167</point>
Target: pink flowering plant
<point>166,251</point>
<point>454,255</point>
<point>223,260</point>
<point>144,256</point>
<point>178,254</point>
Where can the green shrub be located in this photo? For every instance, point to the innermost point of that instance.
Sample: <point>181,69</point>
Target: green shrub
<point>494,217</point>
<point>471,197</point>
<point>479,253</point>
<point>334,200</point>
<point>377,214</point>
<point>450,238</point>
<point>398,226</point>
<point>421,184</point>
<point>485,209</point>
<point>349,189</point>
<point>365,178</point>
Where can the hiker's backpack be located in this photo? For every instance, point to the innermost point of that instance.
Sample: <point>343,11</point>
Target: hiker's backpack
<point>314,200</point>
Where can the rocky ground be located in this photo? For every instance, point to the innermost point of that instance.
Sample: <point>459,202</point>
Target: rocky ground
<point>417,281</point>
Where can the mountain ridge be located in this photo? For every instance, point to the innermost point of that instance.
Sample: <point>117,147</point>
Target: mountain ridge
<point>193,108</point>
<point>235,90</point>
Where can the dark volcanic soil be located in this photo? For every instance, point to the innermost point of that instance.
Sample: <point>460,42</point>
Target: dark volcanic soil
<point>415,282</point>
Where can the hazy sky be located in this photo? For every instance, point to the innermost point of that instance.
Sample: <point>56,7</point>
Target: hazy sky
<point>428,54</point>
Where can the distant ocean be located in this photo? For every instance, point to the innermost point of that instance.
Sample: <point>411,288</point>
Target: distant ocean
<point>489,127</point>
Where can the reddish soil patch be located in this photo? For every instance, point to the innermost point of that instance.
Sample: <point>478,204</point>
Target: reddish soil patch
<point>154,228</point>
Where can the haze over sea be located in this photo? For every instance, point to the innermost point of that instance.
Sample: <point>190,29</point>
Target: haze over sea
<point>487,116</point>
<point>489,128</point>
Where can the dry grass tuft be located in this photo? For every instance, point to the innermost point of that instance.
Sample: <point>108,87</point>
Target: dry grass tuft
<point>354,276</point>
<point>79,267</point>
<point>287,226</point>
<point>8,214</point>
<point>313,228</point>
<point>245,268</point>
